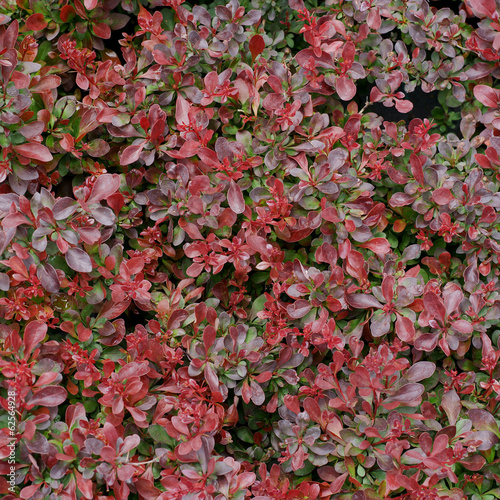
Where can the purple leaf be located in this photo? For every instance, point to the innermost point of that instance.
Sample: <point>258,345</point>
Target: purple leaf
<point>78,260</point>
<point>363,301</point>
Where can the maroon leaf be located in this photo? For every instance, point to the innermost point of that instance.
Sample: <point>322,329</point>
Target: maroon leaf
<point>256,45</point>
<point>49,396</point>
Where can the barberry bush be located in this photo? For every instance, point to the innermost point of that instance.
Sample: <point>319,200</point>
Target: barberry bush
<point>249,250</point>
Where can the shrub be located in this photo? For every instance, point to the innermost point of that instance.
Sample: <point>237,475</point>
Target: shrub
<point>250,250</point>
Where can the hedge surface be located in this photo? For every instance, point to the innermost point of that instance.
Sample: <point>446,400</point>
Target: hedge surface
<point>249,250</point>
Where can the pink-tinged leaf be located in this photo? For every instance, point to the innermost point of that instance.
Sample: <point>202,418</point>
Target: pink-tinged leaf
<point>105,186</point>
<point>50,396</point>
<point>462,326</point>
<point>78,260</point>
<point>34,150</point>
<point>33,334</point>
<point>90,4</point>
<point>345,87</point>
<point>362,301</point>
<point>486,95</point>
<point>434,306</point>
<point>442,196</point>
<point>452,406</point>
<point>299,309</point>
<point>403,106</point>
<point>256,45</point>
<point>235,198</point>
<point>380,246</point>
<point>258,244</point>
<point>131,154</point>
<point>405,329</point>
<point>483,420</point>
<point>36,22</point>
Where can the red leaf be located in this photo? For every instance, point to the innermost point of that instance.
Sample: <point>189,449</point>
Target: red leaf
<point>379,246</point>
<point>442,196</point>
<point>33,334</point>
<point>405,329</point>
<point>131,153</point>
<point>235,198</point>
<point>34,150</point>
<point>102,30</point>
<point>104,186</point>
<point>256,45</point>
<point>36,22</point>
<point>50,396</point>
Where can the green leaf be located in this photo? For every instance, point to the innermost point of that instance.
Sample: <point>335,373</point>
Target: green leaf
<point>159,434</point>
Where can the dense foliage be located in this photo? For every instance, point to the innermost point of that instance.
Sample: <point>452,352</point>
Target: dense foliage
<point>239,259</point>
